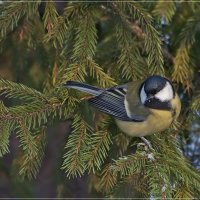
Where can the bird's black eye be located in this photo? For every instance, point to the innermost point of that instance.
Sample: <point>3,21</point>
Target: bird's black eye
<point>154,91</point>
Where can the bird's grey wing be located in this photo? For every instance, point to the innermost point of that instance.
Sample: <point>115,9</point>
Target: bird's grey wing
<point>111,102</point>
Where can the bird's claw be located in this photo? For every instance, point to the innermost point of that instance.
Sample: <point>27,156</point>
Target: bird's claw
<point>147,143</point>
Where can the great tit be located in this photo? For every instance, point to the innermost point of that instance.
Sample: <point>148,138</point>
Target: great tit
<point>140,108</point>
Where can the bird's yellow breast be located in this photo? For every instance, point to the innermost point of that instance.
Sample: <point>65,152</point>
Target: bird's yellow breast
<point>157,121</point>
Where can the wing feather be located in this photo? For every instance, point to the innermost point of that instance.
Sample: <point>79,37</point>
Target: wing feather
<point>111,101</point>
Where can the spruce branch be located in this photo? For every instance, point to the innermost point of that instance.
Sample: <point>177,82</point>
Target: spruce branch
<point>158,178</point>
<point>50,16</point>
<point>33,114</point>
<point>26,139</point>
<point>75,71</point>
<point>151,39</point>
<point>99,146</point>
<point>122,141</point>
<point>121,168</point>
<point>172,162</point>
<point>86,35</point>
<point>190,30</point>
<point>108,179</point>
<point>20,91</point>
<point>183,192</point>
<point>128,165</point>
<point>165,10</point>
<point>5,129</point>
<point>77,148</point>
<point>38,108</point>
<point>72,10</point>
<point>196,103</point>
<point>29,34</point>
<point>56,26</point>
<point>33,147</point>
<point>183,173</point>
<point>12,13</point>
<point>129,58</point>
<point>29,147</point>
<point>153,48</point>
<point>183,72</point>
<point>134,184</point>
<point>85,47</point>
<point>97,72</point>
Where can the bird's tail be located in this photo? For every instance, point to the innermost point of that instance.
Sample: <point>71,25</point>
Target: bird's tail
<point>83,87</point>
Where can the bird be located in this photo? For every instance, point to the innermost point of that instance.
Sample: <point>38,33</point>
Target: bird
<point>140,108</point>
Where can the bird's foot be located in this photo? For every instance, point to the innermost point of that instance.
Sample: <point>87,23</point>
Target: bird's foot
<point>147,143</point>
<point>142,145</point>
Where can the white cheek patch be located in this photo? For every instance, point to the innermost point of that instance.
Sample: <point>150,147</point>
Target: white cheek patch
<point>166,93</point>
<point>143,95</point>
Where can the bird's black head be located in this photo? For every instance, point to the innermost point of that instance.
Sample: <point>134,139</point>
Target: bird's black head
<point>156,92</point>
<point>154,84</point>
